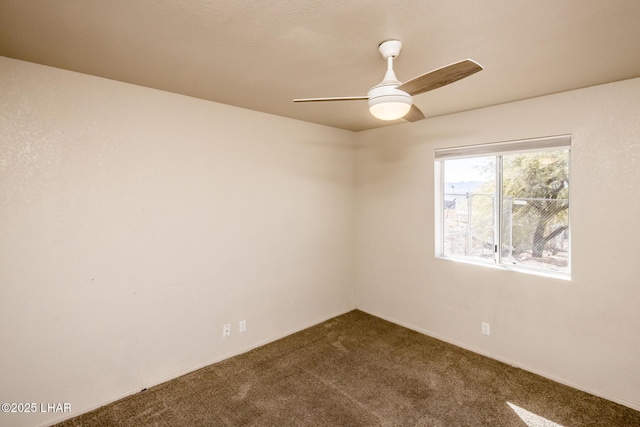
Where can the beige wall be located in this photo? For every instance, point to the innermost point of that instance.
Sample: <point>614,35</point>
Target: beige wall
<point>584,332</point>
<point>135,223</point>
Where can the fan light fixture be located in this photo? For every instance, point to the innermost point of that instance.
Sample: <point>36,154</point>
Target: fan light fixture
<point>389,110</point>
<point>389,103</point>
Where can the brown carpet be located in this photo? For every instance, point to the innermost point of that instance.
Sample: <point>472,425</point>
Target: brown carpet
<point>359,370</point>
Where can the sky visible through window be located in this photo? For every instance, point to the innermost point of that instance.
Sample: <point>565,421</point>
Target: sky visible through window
<point>470,169</point>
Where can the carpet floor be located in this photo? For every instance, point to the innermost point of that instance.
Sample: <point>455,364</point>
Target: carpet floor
<point>359,370</point>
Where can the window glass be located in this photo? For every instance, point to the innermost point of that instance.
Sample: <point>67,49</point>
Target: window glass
<point>535,210</point>
<point>469,207</point>
<point>509,208</point>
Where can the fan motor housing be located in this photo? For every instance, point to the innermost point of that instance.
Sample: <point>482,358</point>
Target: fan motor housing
<point>390,48</point>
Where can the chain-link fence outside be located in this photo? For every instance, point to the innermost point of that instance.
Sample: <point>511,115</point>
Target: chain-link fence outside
<point>534,231</point>
<point>469,225</point>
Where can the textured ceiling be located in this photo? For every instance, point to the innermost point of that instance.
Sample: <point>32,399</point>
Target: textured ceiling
<point>261,54</point>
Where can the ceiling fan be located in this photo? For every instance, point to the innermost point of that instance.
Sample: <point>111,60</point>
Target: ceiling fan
<point>391,99</point>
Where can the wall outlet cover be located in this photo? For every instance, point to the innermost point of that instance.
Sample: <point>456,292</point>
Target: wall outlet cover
<point>486,328</point>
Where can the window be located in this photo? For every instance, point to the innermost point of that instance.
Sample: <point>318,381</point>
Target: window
<point>506,204</point>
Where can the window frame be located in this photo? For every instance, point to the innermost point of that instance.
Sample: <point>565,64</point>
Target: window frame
<point>497,150</point>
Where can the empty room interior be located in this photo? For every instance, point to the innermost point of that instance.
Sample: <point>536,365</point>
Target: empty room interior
<point>166,207</point>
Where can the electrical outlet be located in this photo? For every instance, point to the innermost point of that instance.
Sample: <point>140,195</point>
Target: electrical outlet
<point>486,328</point>
<point>242,325</point>
<point>226,330</point>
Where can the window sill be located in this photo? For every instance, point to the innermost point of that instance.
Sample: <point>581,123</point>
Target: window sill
<point>516,269</point>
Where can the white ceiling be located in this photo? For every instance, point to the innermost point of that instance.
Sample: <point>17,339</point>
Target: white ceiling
<point>261,54</point>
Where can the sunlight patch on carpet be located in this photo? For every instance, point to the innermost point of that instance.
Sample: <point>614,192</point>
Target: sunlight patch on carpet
<point>531,419</point>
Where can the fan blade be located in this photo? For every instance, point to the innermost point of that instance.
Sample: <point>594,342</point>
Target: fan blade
<point>414,114</point>
<point>440,77</point>
<point>339,98</point>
